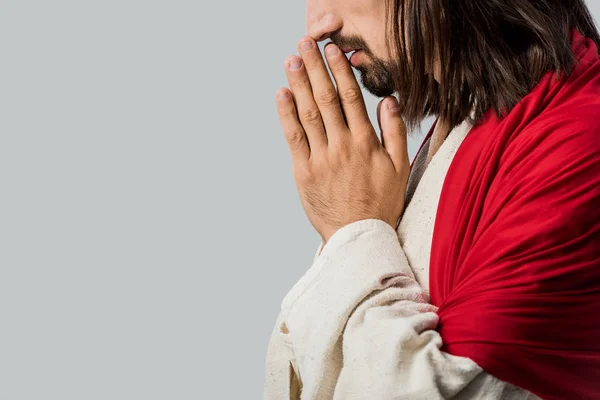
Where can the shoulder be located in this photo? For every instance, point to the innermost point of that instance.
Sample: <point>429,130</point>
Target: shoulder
<point>565,133</point>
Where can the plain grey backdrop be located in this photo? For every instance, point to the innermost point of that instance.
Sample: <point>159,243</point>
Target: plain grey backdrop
<point>149,221</point>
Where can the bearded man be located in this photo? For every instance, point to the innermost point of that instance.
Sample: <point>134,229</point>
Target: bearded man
<point>475,271</point>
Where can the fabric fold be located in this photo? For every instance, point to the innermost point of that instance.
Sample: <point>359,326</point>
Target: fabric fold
<point>515,263</point>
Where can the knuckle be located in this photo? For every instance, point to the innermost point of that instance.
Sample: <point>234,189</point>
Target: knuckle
<point>312,63</point>
<point>339,66</point>
<point>299,82</point>
<point>295,137</point>
<point>342,152</point>
<point>366,142</point>
<point>351,95</point>
<point>304,174</point>
<point>327,97</point>
<point>286,111</point>
<point>310,116</point>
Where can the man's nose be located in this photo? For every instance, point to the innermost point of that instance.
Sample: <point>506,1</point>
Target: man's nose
<point>320,25</point>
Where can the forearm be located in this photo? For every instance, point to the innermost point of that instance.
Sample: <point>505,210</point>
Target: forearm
<point>357,325</point>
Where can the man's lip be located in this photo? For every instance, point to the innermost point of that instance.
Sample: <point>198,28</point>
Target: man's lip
<point>354,58</point>
<point>348,49</point>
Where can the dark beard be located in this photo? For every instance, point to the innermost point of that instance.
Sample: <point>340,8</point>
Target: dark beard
<point>376,77</point>
<point>375,73</point>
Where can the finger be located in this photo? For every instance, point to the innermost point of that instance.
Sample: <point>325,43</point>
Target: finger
<point>293,131</point>
<point>324,92</point>
<point>308,112</point>
<point>379,120</point>
<point>351,97</point>
<point>393,132</point>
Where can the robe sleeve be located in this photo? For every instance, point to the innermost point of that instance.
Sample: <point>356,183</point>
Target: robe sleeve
<point>358,326</point>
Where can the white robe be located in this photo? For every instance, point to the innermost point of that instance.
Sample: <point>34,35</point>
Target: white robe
<point>358,324</point>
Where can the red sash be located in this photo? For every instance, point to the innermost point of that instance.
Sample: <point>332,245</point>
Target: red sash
<point>515,263</point>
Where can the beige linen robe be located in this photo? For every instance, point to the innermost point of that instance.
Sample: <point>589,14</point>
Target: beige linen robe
<point>358,324</point>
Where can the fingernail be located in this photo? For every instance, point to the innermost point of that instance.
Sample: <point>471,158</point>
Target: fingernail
<point>331,50</point>
<point>295,64</point>
<point>283,94</point>
<point>306,45</point>
<point>392,105</point>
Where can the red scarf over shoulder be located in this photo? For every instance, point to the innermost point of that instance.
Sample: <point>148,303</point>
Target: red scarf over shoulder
<point>515,263</point>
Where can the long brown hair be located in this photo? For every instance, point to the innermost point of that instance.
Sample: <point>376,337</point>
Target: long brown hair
<point>491,52</point>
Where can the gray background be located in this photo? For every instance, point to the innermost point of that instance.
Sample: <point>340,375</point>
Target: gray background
<point>149,220</point>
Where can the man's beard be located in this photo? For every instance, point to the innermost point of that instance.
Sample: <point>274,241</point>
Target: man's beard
<point>376,77</point>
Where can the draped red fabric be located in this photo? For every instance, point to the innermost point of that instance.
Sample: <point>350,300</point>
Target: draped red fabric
<point>515,263</point>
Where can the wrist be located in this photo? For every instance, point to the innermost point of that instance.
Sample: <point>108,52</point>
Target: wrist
<point>369,221</point>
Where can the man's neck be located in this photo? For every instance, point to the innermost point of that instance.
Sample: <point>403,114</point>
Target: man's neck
<point>440,133</point>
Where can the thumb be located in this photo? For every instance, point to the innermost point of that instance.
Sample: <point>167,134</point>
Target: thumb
<point>393,132</point>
